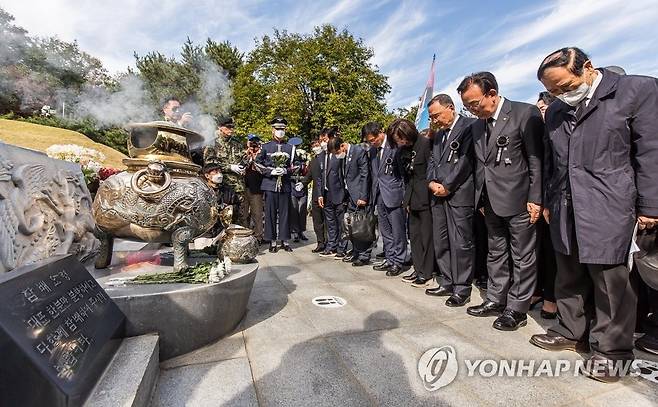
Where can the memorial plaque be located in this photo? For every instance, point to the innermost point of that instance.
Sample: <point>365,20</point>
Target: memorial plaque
<point>58,331</point>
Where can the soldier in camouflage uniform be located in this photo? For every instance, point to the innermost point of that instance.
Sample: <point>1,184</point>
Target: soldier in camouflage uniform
<point>229,151</point>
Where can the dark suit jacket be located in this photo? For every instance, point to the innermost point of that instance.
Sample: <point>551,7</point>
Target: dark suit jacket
<point>357,174</point>
<point>265,163</point>
<point>417,194</point>
<point>335,187</point>
<point>608,164</point>
<point>314,174</point>
<point>387,176</point>
<point>510,186</point>
<point>455,175</point>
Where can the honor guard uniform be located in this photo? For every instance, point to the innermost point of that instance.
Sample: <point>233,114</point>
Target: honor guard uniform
<point>275,162</point>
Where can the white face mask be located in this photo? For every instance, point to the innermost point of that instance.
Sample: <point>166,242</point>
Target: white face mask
<point>340,156</point>
<point>573,97</point>
<point>323,145</point>
<point>317,150</point>
<point>279,133</point>
<point>217,178</point>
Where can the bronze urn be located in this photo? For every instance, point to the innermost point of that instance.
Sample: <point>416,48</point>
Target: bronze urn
<point>160,198</point>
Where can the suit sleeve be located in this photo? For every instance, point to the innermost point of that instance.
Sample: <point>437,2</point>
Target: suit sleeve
<point>548,169</point>
<point>464,167</point>
<point>645,142</point>
<point>264,164</point>
<point>532,133</point>
<point>364,175</point>
<point>309,174</point>
<point>432,165</point>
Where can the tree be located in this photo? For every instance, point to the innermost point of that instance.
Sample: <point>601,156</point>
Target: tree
<point>225,55</point>
<point>314,81</point>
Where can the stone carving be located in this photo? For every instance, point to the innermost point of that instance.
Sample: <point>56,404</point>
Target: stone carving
<point>161,198</point>
<point>45,209</point>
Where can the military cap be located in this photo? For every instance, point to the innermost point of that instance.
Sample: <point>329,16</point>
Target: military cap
<point>279,122</point>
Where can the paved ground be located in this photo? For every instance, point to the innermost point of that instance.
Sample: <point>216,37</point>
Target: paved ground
<point>289,352</point>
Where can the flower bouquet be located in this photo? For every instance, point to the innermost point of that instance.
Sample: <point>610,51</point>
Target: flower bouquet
<point>88,158</point>
<point>280,160</point>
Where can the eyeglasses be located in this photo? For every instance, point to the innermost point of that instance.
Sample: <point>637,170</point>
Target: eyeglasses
<point>475,105</point>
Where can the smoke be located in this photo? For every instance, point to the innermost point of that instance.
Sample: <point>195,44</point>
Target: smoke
<point>132,103</point>
<point>129,103</point>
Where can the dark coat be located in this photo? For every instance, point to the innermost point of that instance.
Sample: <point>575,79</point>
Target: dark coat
<point>357,174</point>
<point>335,181</point>
<point>387,176</point>
<point>266,165</point>
<point>417,194</point>
<point>455,175</point>
<point>314,174</point>
<point>605,168</point>
<point>510,186</point>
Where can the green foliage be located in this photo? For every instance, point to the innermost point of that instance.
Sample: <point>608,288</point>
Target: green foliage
<point>197,274</point>
<point>167,76</point>
<point>36,72</point>
<point>314,81</point>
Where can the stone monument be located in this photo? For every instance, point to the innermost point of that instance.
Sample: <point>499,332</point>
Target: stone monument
<point>45,209</point>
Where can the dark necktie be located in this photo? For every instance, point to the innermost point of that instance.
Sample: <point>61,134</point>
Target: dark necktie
<point>490,126</point>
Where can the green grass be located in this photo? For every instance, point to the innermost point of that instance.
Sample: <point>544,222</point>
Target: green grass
<point>39,138</point>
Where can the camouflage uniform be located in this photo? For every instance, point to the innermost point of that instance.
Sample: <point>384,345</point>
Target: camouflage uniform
<point>230,151</point>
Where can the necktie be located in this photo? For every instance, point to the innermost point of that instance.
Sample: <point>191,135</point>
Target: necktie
<point>490,126</point>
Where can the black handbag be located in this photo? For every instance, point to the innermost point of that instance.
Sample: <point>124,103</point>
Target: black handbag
<point>360,225</point>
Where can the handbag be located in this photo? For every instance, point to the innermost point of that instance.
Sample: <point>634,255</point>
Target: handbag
<point>360,225</point>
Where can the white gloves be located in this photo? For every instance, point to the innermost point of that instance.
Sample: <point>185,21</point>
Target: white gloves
<point>299,186</point>
<point>237,169</point>
<point>278,171</point>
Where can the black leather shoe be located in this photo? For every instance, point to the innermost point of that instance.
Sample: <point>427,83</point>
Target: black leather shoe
<point>410,278</point>
<point>328,253</point>
<point>384,266</point>
<point>380,255</point>
<point>457,300</point>
<point>647,343</point>
<point>274,248</point>
<point>339,256</point>
<point>558,343</point>
<point>304,238</point>
<point>394,271</point>
<point>439,291</point>
<point>486,309</point>
<point>360,263</point>
<point>348,259</point>
<point>318,249</point>
<point>420,282</point>
<point>510,320</point>
<point>286,247</point>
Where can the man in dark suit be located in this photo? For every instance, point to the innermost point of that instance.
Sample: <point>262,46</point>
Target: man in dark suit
<point>387,174</point>
<point>276,186</point>
<point>357,183</point>
<point>333,201</point>
<point>603,142</point>
<point>315,175</point>
<point>507,140</point>
<point>450,176</point>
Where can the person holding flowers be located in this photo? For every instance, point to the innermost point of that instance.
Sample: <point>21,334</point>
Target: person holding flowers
<point>276,165</point>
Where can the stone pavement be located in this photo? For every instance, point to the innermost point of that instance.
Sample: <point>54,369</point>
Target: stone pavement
<point>290,352</point>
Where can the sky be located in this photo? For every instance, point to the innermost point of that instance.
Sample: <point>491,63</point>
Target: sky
<point>508,38</point>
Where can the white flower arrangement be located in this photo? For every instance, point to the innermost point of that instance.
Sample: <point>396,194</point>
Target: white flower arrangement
<point>280,160</point>
<point>88,158</point>
<point>302,154</point>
